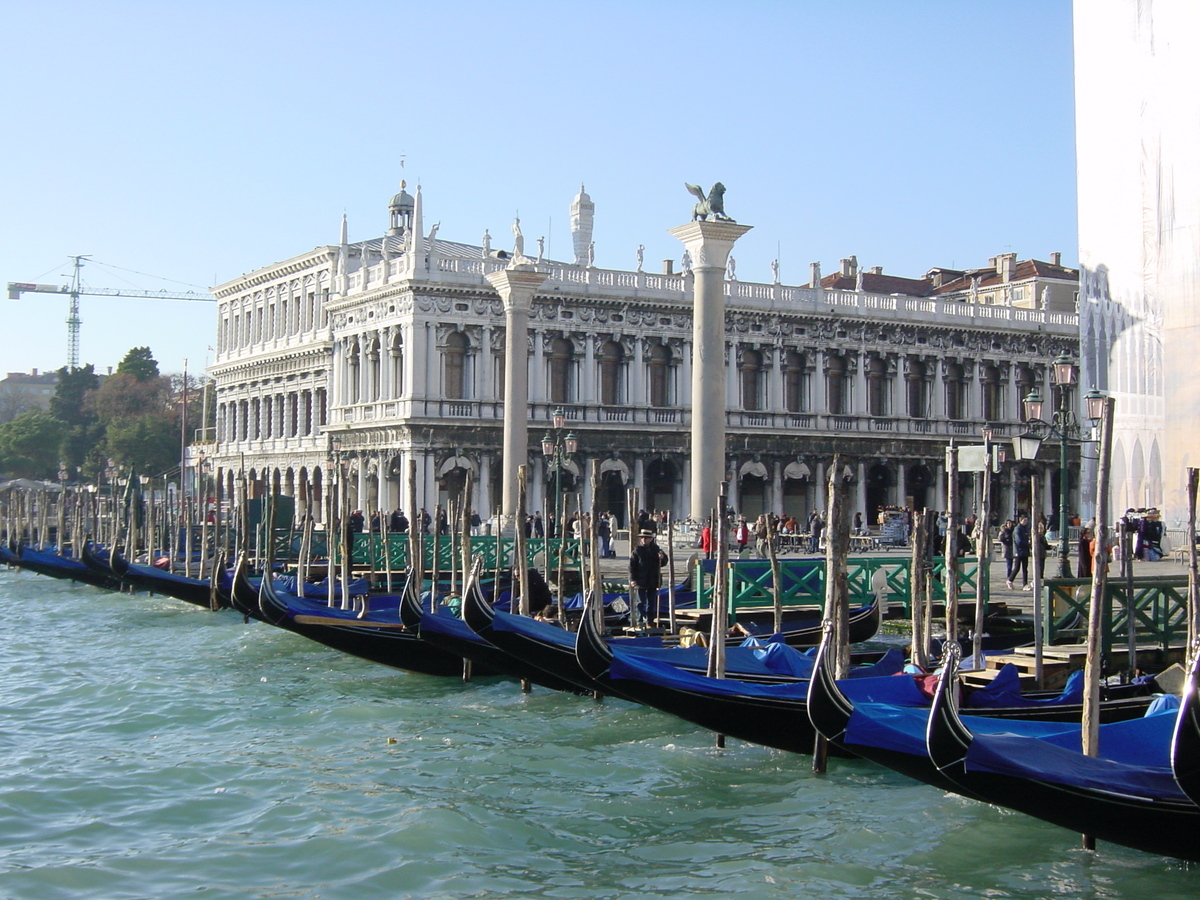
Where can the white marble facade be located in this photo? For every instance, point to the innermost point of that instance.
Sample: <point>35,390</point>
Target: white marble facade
<point>399,354</point>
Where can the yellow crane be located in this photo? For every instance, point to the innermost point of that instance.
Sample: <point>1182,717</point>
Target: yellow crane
<point>75,290</point>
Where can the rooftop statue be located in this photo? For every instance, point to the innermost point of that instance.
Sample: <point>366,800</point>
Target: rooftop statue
<point>712,205</point>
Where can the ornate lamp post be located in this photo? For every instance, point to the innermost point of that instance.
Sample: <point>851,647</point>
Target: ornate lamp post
<point>1064,426</point>
<point>558,450</point>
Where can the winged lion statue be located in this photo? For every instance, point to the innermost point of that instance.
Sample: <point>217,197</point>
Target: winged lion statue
<point>712,205</point>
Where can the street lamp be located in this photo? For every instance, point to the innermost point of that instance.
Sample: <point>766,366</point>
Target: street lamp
<point>1064,426</point>
<point>558,450</point>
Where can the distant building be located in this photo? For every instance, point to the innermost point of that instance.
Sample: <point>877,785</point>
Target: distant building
<point>22,392</point>
<point>1137,127</point>
<point>369,355</point>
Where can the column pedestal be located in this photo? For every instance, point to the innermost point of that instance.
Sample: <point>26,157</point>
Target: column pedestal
<point>516,286</point>
<point>709,245</point>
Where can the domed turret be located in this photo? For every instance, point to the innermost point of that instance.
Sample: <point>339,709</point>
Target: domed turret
<point>401,210</point>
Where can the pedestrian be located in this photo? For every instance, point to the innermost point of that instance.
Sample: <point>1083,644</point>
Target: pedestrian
<point>816,525</point>
<point>706,539</point>
<point>645,571</point>
<point>604,532</point>
<point>476,522</point>
<point>1022,544</point>
<point>539,527</point>
<point>761,537</point>
<point>741,535</point>
<point>1006,541</point>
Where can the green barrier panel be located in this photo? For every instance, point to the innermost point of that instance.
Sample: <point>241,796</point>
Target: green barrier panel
<point>1158,607</point>
<point>804,582</point>
<point>372,551</point>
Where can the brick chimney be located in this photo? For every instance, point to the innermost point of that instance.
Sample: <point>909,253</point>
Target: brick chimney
<point>1056,258</point>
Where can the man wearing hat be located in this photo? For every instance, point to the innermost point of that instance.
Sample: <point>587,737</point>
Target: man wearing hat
<point>645,571</point>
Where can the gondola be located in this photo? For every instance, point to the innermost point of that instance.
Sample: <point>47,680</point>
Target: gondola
<point>378,636</point>
<point>197,591</point>
<point>57,566</point>
<point>1185,749</point>
<point>452,634</point>
<point>239,591</point>
<point>773,715</point>
<point>551,649</point>
<point>1127,796</point>
<point>884,720</point>
<point>802,626</point>
<point>543,646</point>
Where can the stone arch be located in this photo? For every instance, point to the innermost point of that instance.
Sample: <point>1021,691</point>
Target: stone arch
<point>880,479</point>
<point>661,479</point>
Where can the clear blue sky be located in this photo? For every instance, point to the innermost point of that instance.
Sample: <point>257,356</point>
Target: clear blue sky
<point>199,141</point>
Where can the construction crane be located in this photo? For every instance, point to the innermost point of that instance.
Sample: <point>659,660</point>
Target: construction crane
<point>75,290</point>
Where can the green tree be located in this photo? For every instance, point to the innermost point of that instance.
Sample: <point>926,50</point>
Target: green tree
<point>29,445</point>
<point>140,363</point>
<point>71,404</point>
<point>148,444</point>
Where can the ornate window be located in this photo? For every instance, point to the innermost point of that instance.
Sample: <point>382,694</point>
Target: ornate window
<point>612,371</point>
<point>793,381</point>
<point>396,357</point>
<point>1026,379</point>
<point>877,387</point>
<point>455,356</point>
<point>751,364</point>
<point>835,385</point>
<point>660,376</point>
<point>955,396</point>
<point>989,384</point>
<point>915,378</point>
<point>562,370</point>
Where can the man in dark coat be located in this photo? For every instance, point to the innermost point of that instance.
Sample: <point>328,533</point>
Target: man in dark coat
<point>645,571</point>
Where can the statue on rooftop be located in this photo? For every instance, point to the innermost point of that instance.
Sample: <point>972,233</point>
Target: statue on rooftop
<point>487,243</point>
<point>641,255</point>
<point>711,205</point>
<point>685,264</point>
<point>541,248</point>
<point>518,239</point>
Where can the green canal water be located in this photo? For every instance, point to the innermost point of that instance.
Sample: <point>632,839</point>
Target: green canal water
<point>155,750</point>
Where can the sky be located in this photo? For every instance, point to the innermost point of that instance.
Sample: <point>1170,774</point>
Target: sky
<point>181,145</point>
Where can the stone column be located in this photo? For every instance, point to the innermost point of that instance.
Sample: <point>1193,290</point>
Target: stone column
<point>709,245</point>
<point>860,493</point>
<point>515,285</point>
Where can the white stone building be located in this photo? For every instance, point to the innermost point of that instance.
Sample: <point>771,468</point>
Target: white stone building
<point>1137,132</point>
<point>391,349</point>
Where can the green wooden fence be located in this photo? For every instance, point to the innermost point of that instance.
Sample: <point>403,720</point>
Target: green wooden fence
<point>803,582</point>
<point>1158,609</point>
<point>374,552</point>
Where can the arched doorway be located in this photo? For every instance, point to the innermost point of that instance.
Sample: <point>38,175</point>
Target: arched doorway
<point>797,491</point>
<point>879,486</point>
<point>613,495</point>
<point>1022,493</point>
<point>661,477</point>
<point>918,480</point>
